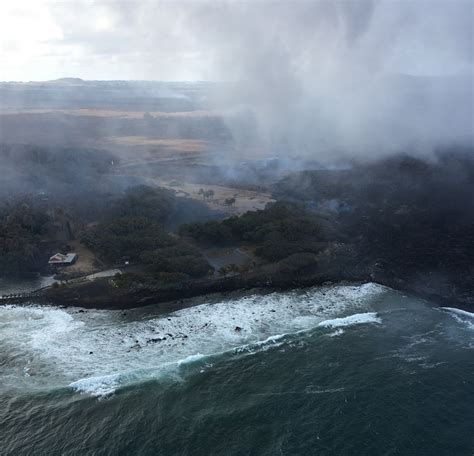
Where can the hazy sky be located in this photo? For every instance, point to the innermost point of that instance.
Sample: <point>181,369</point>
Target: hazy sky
<point>196,40</point>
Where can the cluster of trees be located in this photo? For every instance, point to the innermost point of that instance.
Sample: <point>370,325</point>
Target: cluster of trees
<point>155,204</point>
<point>179,258</point>
<point>133,230</point>
<point>206,194</point>
<point>279,230</point>
<point>126,237</point>
<point>21,231</point>
<point>209,194</point>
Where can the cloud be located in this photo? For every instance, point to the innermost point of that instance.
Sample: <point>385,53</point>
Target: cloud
<point>329,79</point>
<point>317,76</point>
<point>417,37</point>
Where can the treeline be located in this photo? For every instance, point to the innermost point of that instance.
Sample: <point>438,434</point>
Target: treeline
<point>153,204</point>
<point>68,177</point>
<point>404,217</point>
<point>21,234</point>
<point>125,227</point>
<point>51,168</point>
<point>278,231</point>
<point>134,231</point>
<point>57,159</point>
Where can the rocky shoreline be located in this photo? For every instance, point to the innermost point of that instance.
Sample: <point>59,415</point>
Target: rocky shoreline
<point>100,295</point>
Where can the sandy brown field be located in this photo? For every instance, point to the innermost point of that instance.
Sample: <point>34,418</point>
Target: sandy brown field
<point>245,200</point>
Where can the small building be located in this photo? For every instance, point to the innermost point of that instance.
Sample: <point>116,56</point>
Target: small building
<point>60,259</point>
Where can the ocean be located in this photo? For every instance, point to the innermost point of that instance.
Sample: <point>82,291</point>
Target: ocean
<point>336,370</point>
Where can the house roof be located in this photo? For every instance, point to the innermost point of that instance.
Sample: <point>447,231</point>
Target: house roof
<point>61,258</point>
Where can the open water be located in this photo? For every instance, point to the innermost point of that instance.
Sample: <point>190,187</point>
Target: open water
<point>340,370</point>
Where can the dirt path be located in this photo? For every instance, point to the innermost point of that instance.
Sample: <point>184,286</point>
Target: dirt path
<point>86,261</point>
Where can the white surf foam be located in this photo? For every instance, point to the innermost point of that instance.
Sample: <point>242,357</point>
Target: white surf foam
<point>356,319</point>
<point>37,325</point>
<point>106,385</point>
<point>100,386</point>
<point>96,346</point>
<point>191,359</point>
<point>463,316</point>
<point>464,313</point>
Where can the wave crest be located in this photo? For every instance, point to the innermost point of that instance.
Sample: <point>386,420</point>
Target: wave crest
<point>356,319</point>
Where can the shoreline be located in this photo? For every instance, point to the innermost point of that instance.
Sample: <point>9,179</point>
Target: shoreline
<point>99,295</point>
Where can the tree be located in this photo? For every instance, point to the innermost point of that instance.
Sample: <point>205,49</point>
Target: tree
<point>208,194</point>
<point>181,258</point>
<point>126,236</point>
<point>223,271</point>
<point>233,268</point>
<point>278,231</point>
<point>21,230</point>
<point>141,201</point>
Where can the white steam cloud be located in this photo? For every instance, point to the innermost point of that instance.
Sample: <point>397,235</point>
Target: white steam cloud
<point>336,79</point>
<point>322,78</point>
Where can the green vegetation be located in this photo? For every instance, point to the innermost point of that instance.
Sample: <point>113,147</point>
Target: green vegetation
<point>132,232</point>
<point>180,258</point>
<point>155,204</point>
<point>126,237</point>
<point>21,230</point>
<point>281,229</point>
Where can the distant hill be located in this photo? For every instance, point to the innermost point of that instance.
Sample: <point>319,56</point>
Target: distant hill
<point>67,81</point>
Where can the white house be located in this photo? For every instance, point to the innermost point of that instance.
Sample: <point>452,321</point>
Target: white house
<point>60,259</point>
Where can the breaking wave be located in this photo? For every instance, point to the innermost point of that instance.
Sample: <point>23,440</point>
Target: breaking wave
<point>96,352</point>
<point>356,319</point>
<point>462,316</point>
